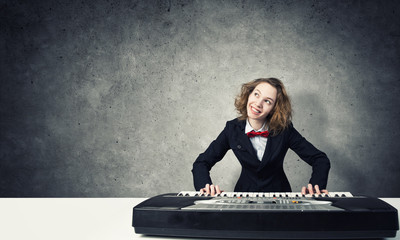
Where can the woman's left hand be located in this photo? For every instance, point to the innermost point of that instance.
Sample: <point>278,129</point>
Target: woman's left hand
<point>312,190</point>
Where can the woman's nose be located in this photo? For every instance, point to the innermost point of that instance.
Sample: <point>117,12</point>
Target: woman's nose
<point>259,102</point>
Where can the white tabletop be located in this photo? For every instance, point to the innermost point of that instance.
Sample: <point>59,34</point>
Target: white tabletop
<point>77,218</point>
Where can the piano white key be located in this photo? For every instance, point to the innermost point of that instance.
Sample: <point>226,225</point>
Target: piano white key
<point>182,193</point>
<point>267,194</point>
<point>338,194</point>
<point>190,193</point>
<point>294,194</point>
<point>230,194</point>
<point>348,194</point>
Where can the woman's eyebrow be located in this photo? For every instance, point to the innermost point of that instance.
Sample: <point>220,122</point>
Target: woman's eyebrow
<point>271,99</point>
<point>266,97</point>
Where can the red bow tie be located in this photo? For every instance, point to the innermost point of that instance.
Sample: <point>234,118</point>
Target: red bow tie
<point>253,134</point>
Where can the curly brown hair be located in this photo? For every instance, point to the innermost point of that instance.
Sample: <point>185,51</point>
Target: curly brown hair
<point>281,115</point>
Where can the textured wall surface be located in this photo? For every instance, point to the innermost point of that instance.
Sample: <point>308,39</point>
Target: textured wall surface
<point>118,98</point>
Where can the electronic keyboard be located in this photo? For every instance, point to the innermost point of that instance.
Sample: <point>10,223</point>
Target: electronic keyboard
<point>265,215</point>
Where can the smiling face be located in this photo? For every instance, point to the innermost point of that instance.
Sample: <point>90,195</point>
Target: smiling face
<point>260,103</point>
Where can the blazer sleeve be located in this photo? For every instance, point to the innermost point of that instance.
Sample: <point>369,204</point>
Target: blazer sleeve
<point>311,155</point>
<point>205,161</point>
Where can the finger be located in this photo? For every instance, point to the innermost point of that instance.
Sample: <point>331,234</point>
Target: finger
<point>212,188</point>
<point>208,189</point>
<point>325,191</point>
<point>217,189</point>
<point>201,191</point>
<point>303,191</point>
<point>310,189</point>
<point>317,191</point>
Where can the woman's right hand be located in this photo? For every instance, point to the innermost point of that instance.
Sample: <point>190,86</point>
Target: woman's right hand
<point>211,190</point>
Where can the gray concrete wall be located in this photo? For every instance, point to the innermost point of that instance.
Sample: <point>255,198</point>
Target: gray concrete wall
<point>117,99</point>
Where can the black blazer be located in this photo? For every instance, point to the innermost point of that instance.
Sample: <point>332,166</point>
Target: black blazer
<point>260,176</point>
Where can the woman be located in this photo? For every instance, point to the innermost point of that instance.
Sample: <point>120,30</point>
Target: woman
<point>260,138</point>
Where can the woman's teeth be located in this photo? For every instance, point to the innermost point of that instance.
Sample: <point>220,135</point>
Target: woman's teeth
<point>255,110</point>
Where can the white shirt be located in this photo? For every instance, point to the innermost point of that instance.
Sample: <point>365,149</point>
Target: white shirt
<point>259,143</point>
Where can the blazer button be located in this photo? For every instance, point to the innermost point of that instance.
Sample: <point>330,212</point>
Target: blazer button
<point>239,147</point>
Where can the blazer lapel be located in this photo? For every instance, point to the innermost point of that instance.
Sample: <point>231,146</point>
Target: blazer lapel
<point>267,153</point>
<point>245,141</point>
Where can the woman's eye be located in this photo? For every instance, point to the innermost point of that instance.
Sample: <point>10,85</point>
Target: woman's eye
<point>268,101</point>
<point>256,94</point>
